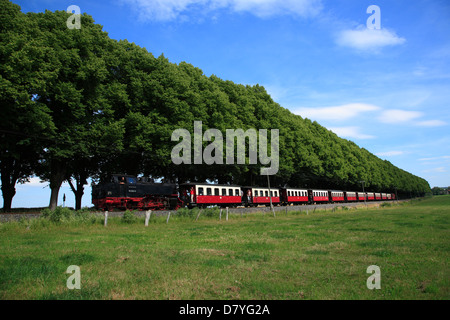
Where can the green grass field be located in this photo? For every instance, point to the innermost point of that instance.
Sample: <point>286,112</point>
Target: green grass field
<point>323,255</point>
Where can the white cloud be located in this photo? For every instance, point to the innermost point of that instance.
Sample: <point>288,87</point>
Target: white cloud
<point>399,116</point>
<point>435,158</point>
<point>396,116</point>
<point>368,39</point>
<point>390,153</point>
<point>350,132</point>
<point>439,169</point>
<point>431,123</point>
<point>165,10</point>
<point>266,8</point>
<point>35,182</point>
<point>343,112</point>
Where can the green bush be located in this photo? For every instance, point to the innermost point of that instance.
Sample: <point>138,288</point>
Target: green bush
<point>129,217</point>
<point>186,212</point>
<point>58,215</point>
<point>65,215</point>
<point>211,212</point>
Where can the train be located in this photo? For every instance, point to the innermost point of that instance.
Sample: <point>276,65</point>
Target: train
<point>126,192</point>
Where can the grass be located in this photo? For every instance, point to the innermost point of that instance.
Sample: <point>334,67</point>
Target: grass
<point>292,256</point>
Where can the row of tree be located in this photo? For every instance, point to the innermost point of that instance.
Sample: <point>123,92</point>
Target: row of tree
<point>77,105</point>
<point>436,191</point>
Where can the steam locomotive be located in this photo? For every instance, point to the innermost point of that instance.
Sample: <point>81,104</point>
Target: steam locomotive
<point>124,192</point>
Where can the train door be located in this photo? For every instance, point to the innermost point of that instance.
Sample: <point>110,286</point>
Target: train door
<point>246,196</point>
<point>187,193</point>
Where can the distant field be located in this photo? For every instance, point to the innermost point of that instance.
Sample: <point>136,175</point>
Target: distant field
<point>322,255</point>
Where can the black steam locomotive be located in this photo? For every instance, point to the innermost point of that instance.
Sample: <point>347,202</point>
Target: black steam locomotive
<point>124,192</point>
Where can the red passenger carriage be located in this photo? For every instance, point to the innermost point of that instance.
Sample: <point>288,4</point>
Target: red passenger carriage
<point>351,196</point>
<point>255,196</point>
<point>317,196</point>
<point>203,195</point>
<point>294,196</point>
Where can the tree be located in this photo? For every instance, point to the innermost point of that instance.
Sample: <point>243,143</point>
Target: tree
<point>25,124</point>
<point>77,97</point>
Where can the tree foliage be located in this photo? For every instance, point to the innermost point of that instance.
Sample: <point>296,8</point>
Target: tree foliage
<point>87,106</point>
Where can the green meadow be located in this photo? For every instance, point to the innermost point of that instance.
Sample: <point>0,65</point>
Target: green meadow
<point>293,256</point>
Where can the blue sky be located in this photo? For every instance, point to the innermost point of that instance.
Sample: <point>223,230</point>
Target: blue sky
<point>388,89</point>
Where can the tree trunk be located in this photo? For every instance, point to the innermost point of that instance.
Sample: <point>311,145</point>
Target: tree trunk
<point>8,192</point>
<point>78,191</point>
<point>8,185</point>
<point>57,176</point>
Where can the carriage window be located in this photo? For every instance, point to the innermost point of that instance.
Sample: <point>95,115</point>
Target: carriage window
<point>255,193</point>
<point>236,192</point>
<point>216,192</point>
<point>267,193</point>
<point>230,192</point>
<point>276,193</point>
<point>224,192</point>
<point>208,191</point>
<point>289,193</point>
<point>200,191</point>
